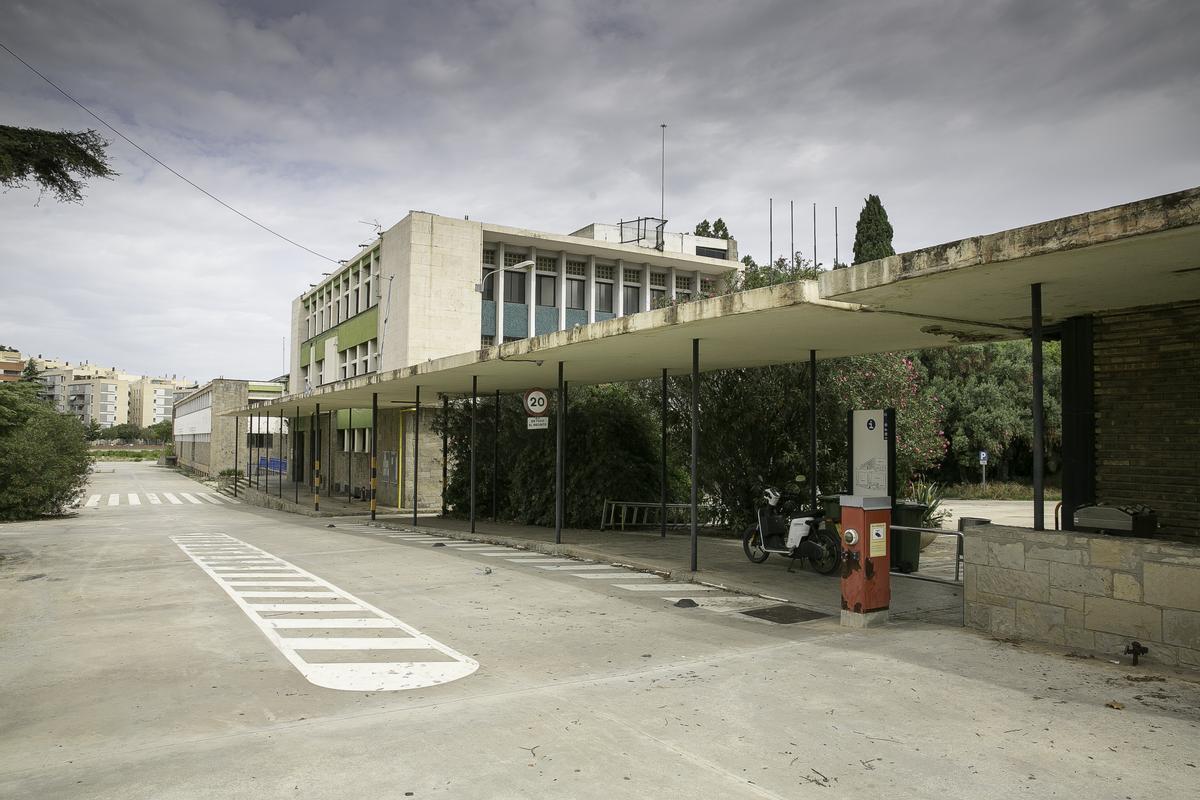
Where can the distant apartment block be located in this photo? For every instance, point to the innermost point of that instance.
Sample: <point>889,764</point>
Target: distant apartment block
<point>11,365</point>
<point>107,396</point>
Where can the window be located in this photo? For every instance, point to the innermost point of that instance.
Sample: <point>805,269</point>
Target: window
<point>633,276</point>
<point>487,341</point>
<point>512,259</point>
<point>514,286</point>
<point>604,272</point>
<point>658,298</point>
<point>576,290</point>
<point>545,293</point>
<point>658,279</point>
<point>708,285</point>
<point>547,263</point>
<point>604,297</point>
<point>711,252</point>
<point>632,297</point>
<point>489,283</point>
<point>576,269</point>
<point>489,257</point>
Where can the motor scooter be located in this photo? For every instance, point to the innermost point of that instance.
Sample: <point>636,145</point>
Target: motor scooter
<point>785,527</point>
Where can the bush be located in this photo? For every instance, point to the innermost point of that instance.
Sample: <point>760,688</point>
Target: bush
<point>44,459</point>
<point>126,455</point>
<point>997,490</point>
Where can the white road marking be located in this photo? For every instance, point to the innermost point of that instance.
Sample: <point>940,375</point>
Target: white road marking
<point>665,587</point>
<point>367,676</point>
<point>568,567</point>
<point>286,594</point>
<point>216,501</point>
<point>189,498</point>
<point>134,500</point>
<point>93,501</point>
<point>172,499</point>
<point>620,574</point>
<point>153,498</point>
<point>114,499</point>
<point>535,560</point>
<point>504,553</point>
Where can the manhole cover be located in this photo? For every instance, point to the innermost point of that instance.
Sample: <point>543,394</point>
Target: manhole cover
<point>785,614</point>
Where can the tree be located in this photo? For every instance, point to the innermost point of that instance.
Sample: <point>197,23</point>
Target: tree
<point>126,432</point>
<point>159,431</point>
<point>93,431</point>
<point>719,230</point>
<point>59,162</point>
<point>873,234</point>
<point>31,372</point>
<point>703,228</point>
<point>44,457</point>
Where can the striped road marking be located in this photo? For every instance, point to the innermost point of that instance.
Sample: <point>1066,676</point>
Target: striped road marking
<point>596,576</point>
<point>189,498</point>
<point>134,500</point>
<point>665,587</point>
<point>389,663</point>
<point>153,498</point>
<point>93,501</point>
<point>172,499</point>
<point>569,567</point>
<point>114,499</point>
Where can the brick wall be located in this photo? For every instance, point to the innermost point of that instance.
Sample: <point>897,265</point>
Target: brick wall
<point>1147,401</point>
<point>1089,592</point>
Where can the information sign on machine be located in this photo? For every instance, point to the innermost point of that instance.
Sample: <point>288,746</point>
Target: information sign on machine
<point>537,406</point>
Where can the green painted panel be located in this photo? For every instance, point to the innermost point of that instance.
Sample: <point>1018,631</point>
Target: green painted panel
<point>354,331</point>
<point>361,418</point>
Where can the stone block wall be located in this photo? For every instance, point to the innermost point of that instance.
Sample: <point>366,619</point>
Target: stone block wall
<point>1089,592</point>
<point>1147,406</point>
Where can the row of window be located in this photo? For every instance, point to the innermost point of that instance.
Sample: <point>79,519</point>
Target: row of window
<point>359,359</point>
<point>576,294</point>
<point>348,294</point>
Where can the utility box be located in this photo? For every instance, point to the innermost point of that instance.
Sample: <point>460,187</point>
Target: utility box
<point>866,584</point>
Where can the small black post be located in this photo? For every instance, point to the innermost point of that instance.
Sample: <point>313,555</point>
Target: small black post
<point>445,449</point>
<point>317,460</point>
<point>662,463</point>
<point>1039,422</point>
<point>238,474</point>
<point>375,452</point>
<point>474,394</point>
<point>349,454</point>
<point>812,428</point>
<point>267,477</point>
<point>496,458</point>
<point>559,446</point>
<point>298,472</point>
<point>416,451</point>
<point>329,440</point>
<point>695,452</point>
<point>254,451</point>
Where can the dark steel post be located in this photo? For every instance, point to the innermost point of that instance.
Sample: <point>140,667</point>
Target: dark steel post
<point>662,464</point>
<point>375,451</point>
<point>237,467</point>
<point>349,454</point>
<point>695,451</point>
<point>445,449</point>
<point>317,460</point>
<point>474,393</point>
<point>267,477</point>
<point>298,472</point>
<point>329,438</point>
<point>416,451</point>
<point>559,445</point>
<point>496,459</point>
<point>1039,422</point>
<point>812,428</point>
<point>281,452</point>
<point>253,451</point>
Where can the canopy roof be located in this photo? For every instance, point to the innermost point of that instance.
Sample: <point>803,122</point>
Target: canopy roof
<point>976,289</point>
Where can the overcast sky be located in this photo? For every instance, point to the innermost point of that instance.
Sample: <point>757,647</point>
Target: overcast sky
<point>966,118</point>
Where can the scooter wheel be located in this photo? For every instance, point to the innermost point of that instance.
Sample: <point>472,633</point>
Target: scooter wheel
<point>829,562</point>
<point>753,545</point>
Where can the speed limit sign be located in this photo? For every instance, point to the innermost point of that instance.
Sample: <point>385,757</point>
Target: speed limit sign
<point>536,403</point>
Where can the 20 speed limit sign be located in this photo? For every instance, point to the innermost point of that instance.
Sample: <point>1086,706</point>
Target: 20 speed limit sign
<point>536,403</point>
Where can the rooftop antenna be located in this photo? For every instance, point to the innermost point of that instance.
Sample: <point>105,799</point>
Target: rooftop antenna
<point>815,264</point>
<point>374,224</point>
<point>792,212</point>
<point>770,230</point>
<point>835,238</point>
<point>662,178</point>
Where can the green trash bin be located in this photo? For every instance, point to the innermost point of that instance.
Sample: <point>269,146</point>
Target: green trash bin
<point>831,506</point>
<point>906,545</point>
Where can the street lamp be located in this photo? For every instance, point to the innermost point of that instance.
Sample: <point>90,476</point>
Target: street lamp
<point>514,268</point>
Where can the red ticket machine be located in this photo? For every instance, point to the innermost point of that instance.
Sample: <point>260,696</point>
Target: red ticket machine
<point>866,588</point>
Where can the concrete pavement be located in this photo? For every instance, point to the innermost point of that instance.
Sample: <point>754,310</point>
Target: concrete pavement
<point>128,671</point>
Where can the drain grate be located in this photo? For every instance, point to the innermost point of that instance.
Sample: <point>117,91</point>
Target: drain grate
<point>785,614</point>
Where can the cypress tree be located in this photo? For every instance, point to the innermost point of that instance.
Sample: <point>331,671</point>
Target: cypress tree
<point>873,234</point>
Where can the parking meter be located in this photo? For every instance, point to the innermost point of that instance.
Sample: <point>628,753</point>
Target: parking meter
<point>866,584</point>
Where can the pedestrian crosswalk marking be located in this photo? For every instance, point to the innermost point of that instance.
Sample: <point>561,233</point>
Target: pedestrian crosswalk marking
<point>114,499</point>
<point>145,499</point>
<point>664,587</point>
<point>576,566</point>
<point>134,500</point>
<point>153,498</point>
<point>175,501</point>
<point>618,573</point>
<point>190,498</point>
<point>93,501</point>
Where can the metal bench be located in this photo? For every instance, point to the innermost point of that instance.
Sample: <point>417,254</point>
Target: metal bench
<point>623,513</point>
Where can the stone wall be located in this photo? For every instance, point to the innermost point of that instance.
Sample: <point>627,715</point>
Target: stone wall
<point>1090,592</point>
<point>1147,390</point>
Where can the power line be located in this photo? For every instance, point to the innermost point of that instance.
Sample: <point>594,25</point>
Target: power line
<point>156,160</point>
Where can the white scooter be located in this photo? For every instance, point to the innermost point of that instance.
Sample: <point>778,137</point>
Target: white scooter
<point>786,528</point>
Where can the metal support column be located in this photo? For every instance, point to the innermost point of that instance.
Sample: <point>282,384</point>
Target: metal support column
<point>1039,421</point>
<point>695,452</point>
<point>317,460</point>
<point>662,463</point>
<point>237,467</point>
<point>416,451</point>
<point>445,449</point>
<point>375,451</point>
<point>496,459</point>
<point>349,455</point>
<point>559,445</point>
<point>298,472</point>
<point>281,452</point>
<point>474,395</point>
<point>267,477</point>
<point>812,429</point>
<point>254,450</point>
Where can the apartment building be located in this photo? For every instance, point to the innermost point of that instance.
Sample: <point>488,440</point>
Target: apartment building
<point>107,396</point>
<point>152,400</point>
<point>205,439</point>
<point>432,286</point>
<point>11,365</point>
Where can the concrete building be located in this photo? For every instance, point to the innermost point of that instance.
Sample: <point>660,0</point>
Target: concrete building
<point>205,440</point>
<point>151,400</point>
<point>11,365</point>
